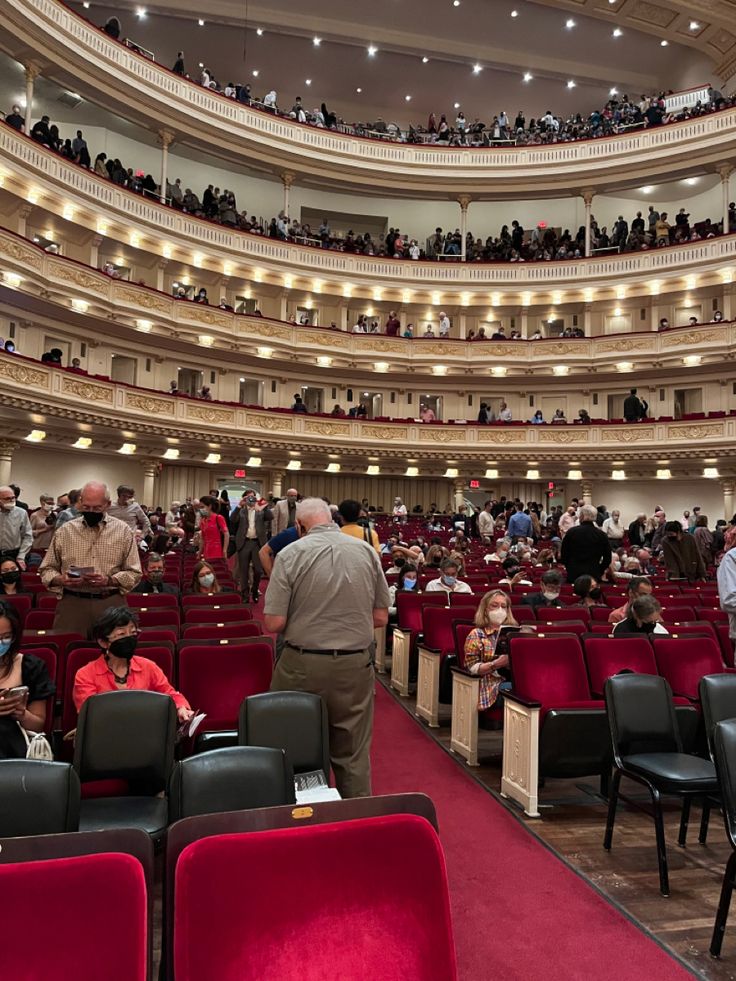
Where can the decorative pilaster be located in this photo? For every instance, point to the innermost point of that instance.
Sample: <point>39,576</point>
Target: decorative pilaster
<point>287,179</point>
<point>150,470</point>
<point>463,200</point>
<point>588,193</point>
<point>587,491</point>
<point>727,486</point>
<point>165,139</point>
<point>7,448</point>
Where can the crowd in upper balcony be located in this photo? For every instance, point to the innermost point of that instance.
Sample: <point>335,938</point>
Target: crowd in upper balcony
<point>620,114</point>
<point>512,244</point>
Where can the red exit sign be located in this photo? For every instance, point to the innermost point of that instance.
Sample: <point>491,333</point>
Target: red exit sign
<point>474,484</point>
<point>239,473</point>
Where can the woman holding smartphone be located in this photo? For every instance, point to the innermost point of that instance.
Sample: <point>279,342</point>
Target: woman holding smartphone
<point>483,654</point>
<point>25,687</point>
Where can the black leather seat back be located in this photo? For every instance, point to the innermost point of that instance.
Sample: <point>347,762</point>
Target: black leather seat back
<point>718,700</point>
<point>235,778</point>
<point>724,745</point>
<point>294,721</point>
<point>38,797</point>
<point>129,735</point>
<point>641,715</point>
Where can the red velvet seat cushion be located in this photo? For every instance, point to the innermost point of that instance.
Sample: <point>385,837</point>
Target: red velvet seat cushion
<point>361,899</point>
<point>68,937</point>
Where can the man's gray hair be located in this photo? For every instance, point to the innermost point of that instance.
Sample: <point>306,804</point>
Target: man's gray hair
<point>95,486</point>
<point>588,513</point>
<point>155,557</point>
<point>315,510</point>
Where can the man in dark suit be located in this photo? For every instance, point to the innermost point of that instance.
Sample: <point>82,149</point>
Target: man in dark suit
<point>585,549</point>
<point>248,523</point>
<point>637,530</point>
<point>153,578</point>
<point>633,409</point>
<point>549,591</point>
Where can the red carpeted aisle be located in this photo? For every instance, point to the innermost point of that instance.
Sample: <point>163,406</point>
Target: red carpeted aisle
<point>518,912</point>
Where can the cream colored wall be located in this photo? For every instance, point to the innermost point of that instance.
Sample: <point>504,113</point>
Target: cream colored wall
<point>634,496</point>
<point>38,470</point>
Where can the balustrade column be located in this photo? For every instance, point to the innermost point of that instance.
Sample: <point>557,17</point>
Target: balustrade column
<point>464,200</point>
<point>725,171</point>
<point>588,194</point>
<point>31,72</point>
<point>277,483</point>
<point>587,491</point>
<point>287,179</point>
<point>150,469</point>
<point>165,138</point>
<point>7,448</point>
<point>727,487</point>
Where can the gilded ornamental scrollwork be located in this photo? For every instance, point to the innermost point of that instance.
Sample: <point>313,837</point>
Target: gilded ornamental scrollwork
<point>690,338</point>
<point>383,432</point>
<point>441,350</point>
<point>79,277</point>
<point>499,436</point>
<point>15,250</point>
<point>269,330</point>
<point>23,374</point>
<point>86,391</point>
<point>382,346</point>
<point>142,298</point>
<point>326,428</point>
<point>150,406</point>
<point>208,413</point>
<point>441,435</point>
<point>280,424</point>
<point>203,315</point>
<point>636,434</point>
<point>622,346</point>
<point>695,432</point>
<point>333,339</point>
<point>563,435</point>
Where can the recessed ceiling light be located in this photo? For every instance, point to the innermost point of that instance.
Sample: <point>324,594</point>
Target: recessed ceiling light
<point>571,84</point>
<point>528,76</point>
<point>140,12</point>
<point>457,105</point>
<point>569,23</point>
<point>316,41</point>
<point>259,31</point>
<point>372,50</point>
<point>647,189</point>
<point>359,90</point>
<point>200,22</point>
<point>425,59</point>
<point>307,81</point>
<point>691,180</point>
<point>477,69</point>
<point>613,91</point>
<point>514,13</point>
<point>663,43</point>
<point>617,32</point>
<point>255,73</point>
<point>694,25</point>
<point>407,98</point>
<point>86,5</point>
<point>455,3</point>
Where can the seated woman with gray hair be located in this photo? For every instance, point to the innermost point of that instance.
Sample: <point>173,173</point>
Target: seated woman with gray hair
<point>644,617</point>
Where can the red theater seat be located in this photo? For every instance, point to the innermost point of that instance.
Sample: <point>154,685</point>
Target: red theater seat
<point>683,661</point>
<point>607,656</point>
<point>382,880</point>
<point>211,600</point>
<point>555,614</point>
<point>81,891</point>
<point>153,601</point>
<point>22,603</point>
<point>214,633</point>
<point>227,614</point>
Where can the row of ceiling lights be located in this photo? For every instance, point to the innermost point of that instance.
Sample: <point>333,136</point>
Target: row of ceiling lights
<point>373,470</point>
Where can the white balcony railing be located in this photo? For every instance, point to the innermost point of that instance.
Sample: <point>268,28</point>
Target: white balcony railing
<point>243,132</point>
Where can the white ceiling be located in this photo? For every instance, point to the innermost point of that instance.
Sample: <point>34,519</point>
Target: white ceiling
<point>404,31</point>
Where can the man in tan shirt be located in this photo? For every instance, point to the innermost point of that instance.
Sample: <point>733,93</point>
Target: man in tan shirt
<point>326,594</point>
<point>351,512</point>
<point>92,562</point>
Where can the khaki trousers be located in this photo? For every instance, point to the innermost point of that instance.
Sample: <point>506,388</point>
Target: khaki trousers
<point>75,614</point>
<point>346,683</point>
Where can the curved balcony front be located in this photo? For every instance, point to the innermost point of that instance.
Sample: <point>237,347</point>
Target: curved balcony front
<point>44,178</point>
<point>79,55</point>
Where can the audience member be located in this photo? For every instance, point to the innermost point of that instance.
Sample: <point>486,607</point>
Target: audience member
<point>16,536</point>
<point>448,581</point>
<point>20,711</point>
<point>153,577</point>
<point>485,653</point>
<point>644,617</point>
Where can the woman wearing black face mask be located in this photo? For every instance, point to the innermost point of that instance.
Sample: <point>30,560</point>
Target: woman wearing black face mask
<point>644,617</point>
<point>10,578</point>
<point>119,668</point>
<point>588,591</point>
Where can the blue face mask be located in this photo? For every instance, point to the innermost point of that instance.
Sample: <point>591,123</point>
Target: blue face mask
<point>5,646</point>
<point>449,580</point>
<point>409,583</point>
<point>207,580</point>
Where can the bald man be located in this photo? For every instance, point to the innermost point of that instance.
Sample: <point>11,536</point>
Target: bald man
<point>16,536</point>
<point>92,563</point>
<point>284,513</point>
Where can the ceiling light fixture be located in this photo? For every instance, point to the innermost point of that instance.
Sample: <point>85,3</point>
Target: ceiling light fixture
<point>425,59</point>
<point>294,465</point>
<point>171,454</point>
<point>452,472</point>
<point>373,470</point>
<point>528,76</point>
<point>571,84</point>
<point>127,449</point>
<point>259,31</point>
<point>200,22</point>
<point>569,23</point>
<point>711,473</point>
<point>694,25</point>
<point>491,474</point>
<point>332,468</point>
<point>665,474</point>
<point>613,91</point>
<point>455,3</point>
<point>359,90</point>
<point>307,81</point>
<point>514,13</point>
<point>618,475</point>
<point>532,475</point>
<point>663,43</point>
<point>457,105</point>
<point>141,12</point>
<point>86,4</point>
<point>412,472</point>
<point>617,32</point>
<point>36,436</point>
<point>407,98</point>
<point>372,50</point>
<point>477,69</point>
<point>212,458</point>
<point>316,41</point>
<point>253,461</point>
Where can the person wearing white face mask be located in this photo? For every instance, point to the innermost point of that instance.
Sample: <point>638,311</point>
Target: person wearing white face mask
<point>448,581</point>
<point>549,591</point>
<point>16,536</point>
<point>42,522</point>
<point>483,656</point>
<point>613,528</point>
<point>501,553</point>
